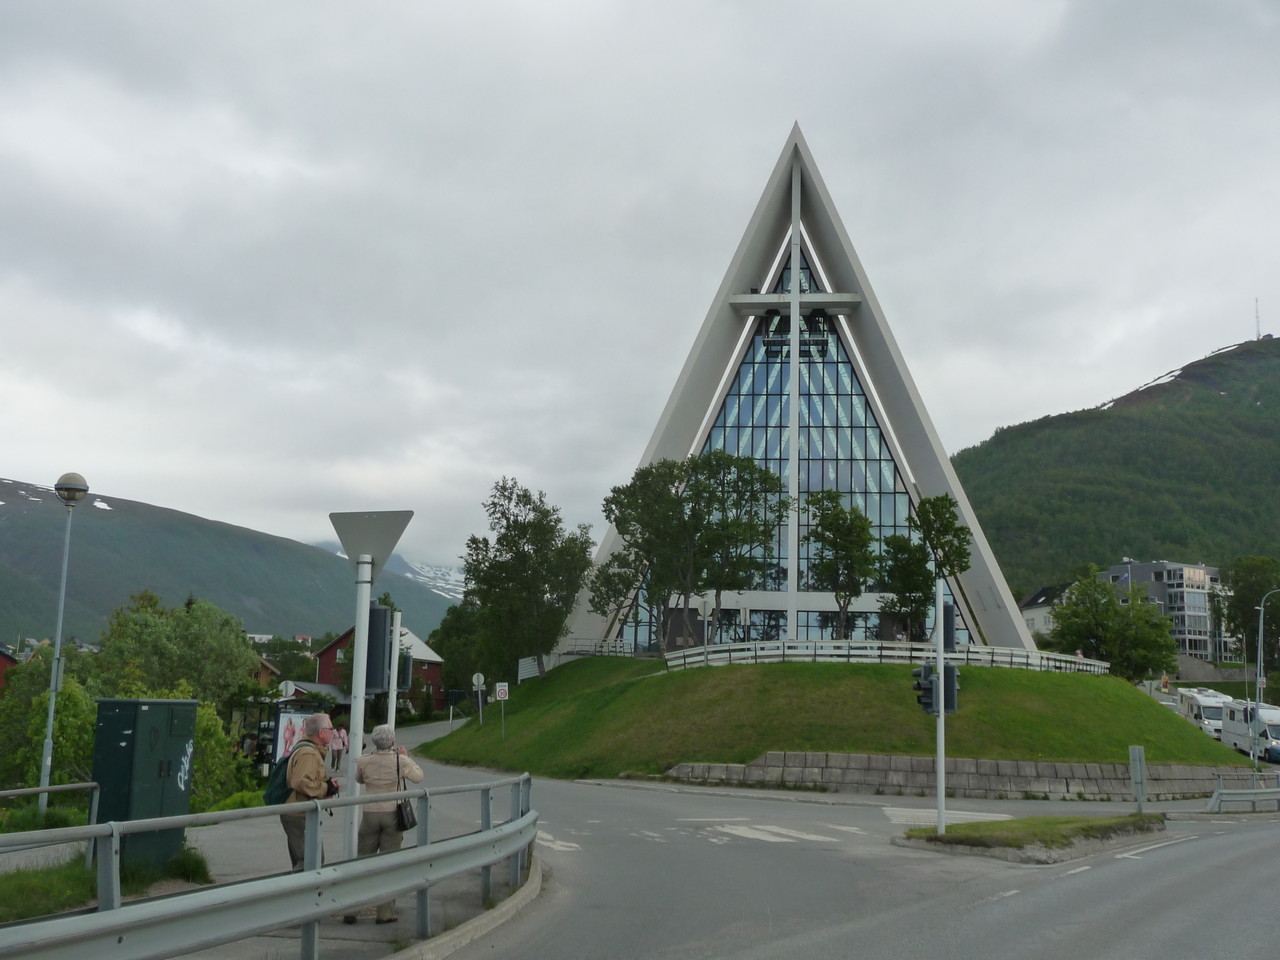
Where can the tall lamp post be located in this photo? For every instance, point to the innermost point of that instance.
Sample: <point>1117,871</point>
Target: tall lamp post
<point>70,488</point>
<point>1260,680</point>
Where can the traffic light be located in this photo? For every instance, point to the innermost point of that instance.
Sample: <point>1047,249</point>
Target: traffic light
<point>924,686</point>
<point>950,686</point>
<point>378,652</point>
<point>949,627</point>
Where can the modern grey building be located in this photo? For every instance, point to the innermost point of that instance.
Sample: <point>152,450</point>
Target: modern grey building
<point>796,367</point>
<point>1182,590</point>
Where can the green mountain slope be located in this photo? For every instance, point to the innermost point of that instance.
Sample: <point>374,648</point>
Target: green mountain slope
<point>1184,469</point>
<point>120,547</point>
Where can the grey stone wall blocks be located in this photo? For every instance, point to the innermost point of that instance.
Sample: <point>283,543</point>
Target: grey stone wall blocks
<point>966,776</point>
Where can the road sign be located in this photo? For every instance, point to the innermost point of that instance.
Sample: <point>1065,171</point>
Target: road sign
<point>500,691</point>
<point>1262,683</point>
<point>477,680</point>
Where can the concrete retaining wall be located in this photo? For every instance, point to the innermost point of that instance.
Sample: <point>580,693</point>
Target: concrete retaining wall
<point>992,779</point>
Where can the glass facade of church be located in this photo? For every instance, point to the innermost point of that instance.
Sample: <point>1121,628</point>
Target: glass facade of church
<point>841,448</point>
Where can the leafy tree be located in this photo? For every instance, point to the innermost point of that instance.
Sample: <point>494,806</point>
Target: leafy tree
<point>939,539</point>
<point>197,642</point>
<point>1247,580</point>
<point>526,579</point>
<point>688,527</point>
<point>937,522</point>
<point>24,715</point>
<point>907,583</point>
<point>740,505</point>
<point>457,640</point>
<point>841,560</point>
<point>1133,636</point>
<point>650,518</point>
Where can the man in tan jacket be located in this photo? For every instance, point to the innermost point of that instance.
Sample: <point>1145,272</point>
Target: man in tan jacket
<point>307,780</point>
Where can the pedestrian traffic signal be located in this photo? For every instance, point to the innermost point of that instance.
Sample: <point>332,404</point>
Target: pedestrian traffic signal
<point>950,686</point>
<point>924,687</point>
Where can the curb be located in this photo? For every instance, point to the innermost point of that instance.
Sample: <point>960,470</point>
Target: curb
<point>439,947</point>
<point>1034,854</point>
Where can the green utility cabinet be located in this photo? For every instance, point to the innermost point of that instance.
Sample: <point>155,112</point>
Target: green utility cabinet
<point>142,761</point>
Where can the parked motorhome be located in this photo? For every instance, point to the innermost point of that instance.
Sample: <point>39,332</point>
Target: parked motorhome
<point>1253,729</point>
<point>1203,707</point>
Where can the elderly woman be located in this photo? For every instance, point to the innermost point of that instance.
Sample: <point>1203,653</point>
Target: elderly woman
<point>381,772</point>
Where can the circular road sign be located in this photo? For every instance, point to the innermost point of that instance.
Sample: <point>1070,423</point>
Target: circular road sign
<point>478,680</point>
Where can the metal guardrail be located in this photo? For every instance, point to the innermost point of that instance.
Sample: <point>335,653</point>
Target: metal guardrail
<point>94,792</point>
<point>1252,795</point>
<point>778,651</point>
<point>198,919</point>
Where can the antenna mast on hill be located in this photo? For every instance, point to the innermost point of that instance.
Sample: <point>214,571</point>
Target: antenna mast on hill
<point>1257,320</point>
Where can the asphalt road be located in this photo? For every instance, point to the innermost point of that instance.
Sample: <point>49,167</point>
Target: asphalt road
<point>678,873</point>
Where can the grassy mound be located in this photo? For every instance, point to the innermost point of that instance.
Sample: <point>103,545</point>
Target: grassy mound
<point>601,717</point>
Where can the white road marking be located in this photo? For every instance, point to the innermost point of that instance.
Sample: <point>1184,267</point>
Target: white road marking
<point>712,819</point>
<point>751,833</point>
<point>551,843</point>
<point>836,826</point>
<point>1137,854</point>
<point>798,834</point>
<point>770,834</point>
<point>1076,870</point>
<point>999,896</point>
<point>926,817</point>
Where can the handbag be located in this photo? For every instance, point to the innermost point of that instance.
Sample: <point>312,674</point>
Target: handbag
<point>406,816</point>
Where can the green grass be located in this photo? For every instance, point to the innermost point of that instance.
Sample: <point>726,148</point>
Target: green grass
<point>39,892</point>
<point>602,717</point>
<point>1051,832</point>
<point>23,818</point>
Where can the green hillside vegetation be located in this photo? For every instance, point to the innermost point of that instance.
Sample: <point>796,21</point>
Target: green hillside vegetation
<point>604,717</point>
<point>273,585</point>
<point>1181,470</point>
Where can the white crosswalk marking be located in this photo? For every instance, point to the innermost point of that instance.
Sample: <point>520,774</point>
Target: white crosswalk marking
<point>751,833</point>
<point>912,816</point>
<point>551,843</point>
<point>771,834</point>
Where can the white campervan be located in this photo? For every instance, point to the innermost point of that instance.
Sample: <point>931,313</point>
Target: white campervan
<point>1203,707</point>
<point>1253,729</point>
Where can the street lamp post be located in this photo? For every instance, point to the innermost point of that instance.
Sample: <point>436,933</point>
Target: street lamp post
<point>1259,679</point>
<point>70,488</point>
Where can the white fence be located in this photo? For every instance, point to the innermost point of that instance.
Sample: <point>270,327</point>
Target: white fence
<point>778,651</point>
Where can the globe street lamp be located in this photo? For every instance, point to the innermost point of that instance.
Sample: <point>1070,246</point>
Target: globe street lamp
<point>70,488</point>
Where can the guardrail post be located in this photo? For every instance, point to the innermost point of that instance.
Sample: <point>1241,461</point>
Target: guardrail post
<point>312,859</point>
<point>93,820</point>
<point>486,823</point>
<point>422,897</point>
<point>109,868</point>
<point>514,861</point>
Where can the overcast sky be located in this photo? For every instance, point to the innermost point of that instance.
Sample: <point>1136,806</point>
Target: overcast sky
<point>260,262</point>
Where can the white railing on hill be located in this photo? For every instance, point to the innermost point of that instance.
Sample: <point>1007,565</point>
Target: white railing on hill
<point>778,651</point>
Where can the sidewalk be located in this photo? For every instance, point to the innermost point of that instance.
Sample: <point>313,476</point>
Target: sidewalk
<point>256,848</point>
<point>253,849</point>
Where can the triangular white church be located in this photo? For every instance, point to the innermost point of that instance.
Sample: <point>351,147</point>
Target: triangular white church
<point>826,402</point>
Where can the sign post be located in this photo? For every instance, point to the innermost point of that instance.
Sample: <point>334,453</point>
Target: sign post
<point>477,681</point>
<point>500,694</point>
<point>368,540</point>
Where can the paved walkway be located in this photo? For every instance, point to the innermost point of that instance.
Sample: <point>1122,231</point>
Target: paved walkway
<point>255,848</point>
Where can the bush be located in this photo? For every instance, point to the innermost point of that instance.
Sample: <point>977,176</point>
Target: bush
<point>244,800</point>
